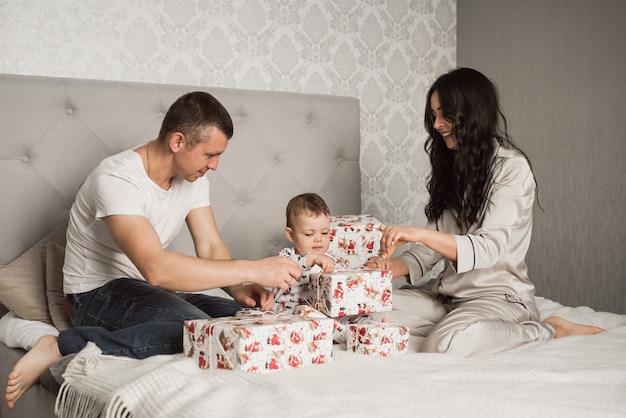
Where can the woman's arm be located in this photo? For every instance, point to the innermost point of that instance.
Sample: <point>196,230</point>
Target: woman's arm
<point>439,242</point>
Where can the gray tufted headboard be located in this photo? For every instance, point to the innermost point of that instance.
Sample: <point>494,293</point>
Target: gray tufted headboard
<point>55,131</point>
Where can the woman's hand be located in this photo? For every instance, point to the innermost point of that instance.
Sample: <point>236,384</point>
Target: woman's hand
<point>437,241</point>
<point>378,262</point>
<point>395,236</point>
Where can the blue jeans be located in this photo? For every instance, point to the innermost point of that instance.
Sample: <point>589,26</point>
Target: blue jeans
<point>131,318</point>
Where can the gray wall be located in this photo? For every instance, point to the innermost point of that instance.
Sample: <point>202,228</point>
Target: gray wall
<point>561,69</point>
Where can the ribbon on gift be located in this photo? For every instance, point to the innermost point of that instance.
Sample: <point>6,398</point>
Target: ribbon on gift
<point>247,312</point>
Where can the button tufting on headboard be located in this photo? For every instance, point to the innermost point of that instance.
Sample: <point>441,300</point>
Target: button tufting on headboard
<point>284,144</point>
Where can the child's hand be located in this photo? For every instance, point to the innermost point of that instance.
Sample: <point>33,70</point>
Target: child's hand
<point>325,262</point>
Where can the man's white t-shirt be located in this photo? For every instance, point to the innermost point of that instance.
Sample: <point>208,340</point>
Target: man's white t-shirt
<point>120,186</point>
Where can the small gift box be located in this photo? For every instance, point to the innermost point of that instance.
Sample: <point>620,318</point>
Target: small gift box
<point>382,338</point>
<point>351,292</point>
<point>357,235</point>
<point>258,343</point>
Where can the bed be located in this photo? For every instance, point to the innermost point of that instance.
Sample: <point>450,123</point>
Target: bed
<point>55,130</point>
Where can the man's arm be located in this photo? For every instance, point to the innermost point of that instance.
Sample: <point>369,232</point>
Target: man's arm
<point>139,241</point>
<point>205,235</point>
<point>207,240</point>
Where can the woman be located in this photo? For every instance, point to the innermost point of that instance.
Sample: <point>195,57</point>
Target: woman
<point>482,191</point>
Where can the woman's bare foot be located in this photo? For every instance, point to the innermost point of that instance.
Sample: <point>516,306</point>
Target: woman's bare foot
<point>27,370</point>
<point>564,328</point>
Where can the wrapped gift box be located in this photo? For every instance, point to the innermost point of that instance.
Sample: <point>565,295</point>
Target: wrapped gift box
<point>351,292</point>
<point>350,261</point>
<point>356,235</point>
<point>258,343</point>
<point>340,329</point>
<point>383,338</point>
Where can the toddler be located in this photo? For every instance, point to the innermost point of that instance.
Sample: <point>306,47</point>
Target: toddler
<point>308,228</point>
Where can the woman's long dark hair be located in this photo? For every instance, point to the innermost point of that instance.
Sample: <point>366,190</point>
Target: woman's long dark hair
<point>462,179</point>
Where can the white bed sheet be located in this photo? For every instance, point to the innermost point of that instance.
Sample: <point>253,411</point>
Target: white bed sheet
<point>569,377</point>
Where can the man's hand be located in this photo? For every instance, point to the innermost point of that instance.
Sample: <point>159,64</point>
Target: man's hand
<point>252,295</point>
<point>277,272</point>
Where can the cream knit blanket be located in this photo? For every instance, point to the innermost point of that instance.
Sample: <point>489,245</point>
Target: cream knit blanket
<point>567,377</point>
<point>91,380</point>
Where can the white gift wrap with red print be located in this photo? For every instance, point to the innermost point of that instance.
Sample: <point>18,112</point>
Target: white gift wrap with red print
<point>356,235</point>
<point>383,339</point>
<point>258,343</point>
<point>351,292</point>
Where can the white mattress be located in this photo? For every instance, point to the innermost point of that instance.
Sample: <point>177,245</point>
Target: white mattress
<point>570,377</point>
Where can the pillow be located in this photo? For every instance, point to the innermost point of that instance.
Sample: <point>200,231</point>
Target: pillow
<point>23,281</point>
<point>55,255</point>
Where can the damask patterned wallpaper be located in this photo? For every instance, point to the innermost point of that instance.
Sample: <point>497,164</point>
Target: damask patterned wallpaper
<point>385,52</point>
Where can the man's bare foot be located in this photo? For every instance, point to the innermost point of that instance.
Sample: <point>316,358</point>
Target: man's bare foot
<point>564,328</point>
<point>27,370</point>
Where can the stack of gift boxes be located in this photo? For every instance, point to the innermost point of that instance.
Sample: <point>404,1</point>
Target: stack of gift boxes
<point>358,290</point>
<point>352,289</point>
<point>266,342</point>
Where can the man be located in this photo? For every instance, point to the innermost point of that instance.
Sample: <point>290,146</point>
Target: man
<point>121,283</point>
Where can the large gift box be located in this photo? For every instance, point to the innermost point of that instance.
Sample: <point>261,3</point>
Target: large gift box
<point>351,292</point>
<point>357,236</point>
<point>258,343</point>
<point>382,338</point>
